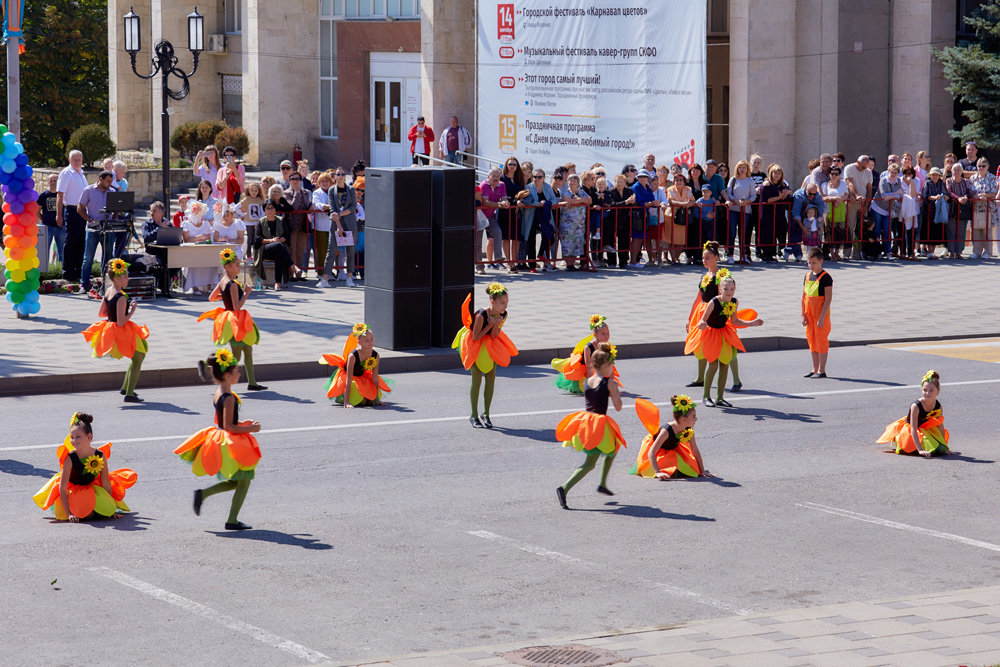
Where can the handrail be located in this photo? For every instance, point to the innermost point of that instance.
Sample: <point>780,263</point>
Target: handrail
<point>445,163</point>
<point>479,157</point>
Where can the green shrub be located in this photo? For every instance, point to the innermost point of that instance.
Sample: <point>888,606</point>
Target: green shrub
<point>235,137</point>
<point>93,141</point>
<point>207,131</point>
<point>185,139</point>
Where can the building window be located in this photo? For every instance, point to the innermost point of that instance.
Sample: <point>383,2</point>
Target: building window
<point>718,17</point>
<point>966,8</point>
<point>327,77</point>
<point>232,99</point>
<point>725,120</point>
<point>370,9</point>
<point>234,17</point>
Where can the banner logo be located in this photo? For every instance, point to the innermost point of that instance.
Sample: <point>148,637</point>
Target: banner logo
<point>508,133</point>
<point>505,22</point>
<point>685,157</point>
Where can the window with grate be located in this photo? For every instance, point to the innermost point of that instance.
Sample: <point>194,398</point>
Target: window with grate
<point>328,78</point>
<point>232,99</point>
<point>370,9</point>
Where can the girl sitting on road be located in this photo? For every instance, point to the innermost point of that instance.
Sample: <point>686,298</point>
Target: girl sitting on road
<point>356,380</point>
<point>922,430</point>
<point>670,448</point>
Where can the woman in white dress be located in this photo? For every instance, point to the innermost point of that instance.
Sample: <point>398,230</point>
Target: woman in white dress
<point>197,228</point>
<point>908,211</point>
<point>230,230</point>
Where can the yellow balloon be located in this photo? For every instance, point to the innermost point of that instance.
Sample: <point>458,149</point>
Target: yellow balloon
<point>6,253</point>
<point>12,264</point>
<point>29,253</point>
<point>17,276</point>
<point>34,263</point>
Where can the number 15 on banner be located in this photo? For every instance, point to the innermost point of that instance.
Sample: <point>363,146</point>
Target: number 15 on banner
<point>508,133</point>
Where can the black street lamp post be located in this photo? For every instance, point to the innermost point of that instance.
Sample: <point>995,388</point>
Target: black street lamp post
<point>164,63</point>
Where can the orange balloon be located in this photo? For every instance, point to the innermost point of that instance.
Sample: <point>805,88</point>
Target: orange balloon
<point>6,230</point>
<point>6,208</point>
<point>26,219</point>
<point>9,218</point>
<point>31,207</point>
<point>15,253</point>
<point>9,241</point>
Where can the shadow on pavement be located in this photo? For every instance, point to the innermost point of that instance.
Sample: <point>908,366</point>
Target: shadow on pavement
<point>271,395</point>
<point>304,540</point>
<point>866,381</point>
<point>956,456</point>
<point>718,481</point>
<point>537,434</point>
<point>159,407</point>
<point>125,522</point>
<point>763,414</point>
<point>643,512</point>
<point>22,469</point>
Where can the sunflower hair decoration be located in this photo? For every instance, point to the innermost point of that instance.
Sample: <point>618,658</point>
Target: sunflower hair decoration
<point>360,329</point>
<point>728,309</point>
<point>225,359</point>
<point>228,256</point>
<point>118,267</point>
<point>93,464</point>
<point>597,321</point>
<point>613,354</point>
<point>496,289</point>
<point>928,376</point>
<point>707,244</point>
<point>683,404</point>
<point>684,437</point>
<point>722,274</point>
<point>75,419</point>
<point>369,364</point>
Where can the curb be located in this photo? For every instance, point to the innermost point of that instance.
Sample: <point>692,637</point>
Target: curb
<point>433,359</point>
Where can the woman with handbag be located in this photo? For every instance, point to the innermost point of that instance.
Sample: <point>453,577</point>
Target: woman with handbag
<point>935,199</point>
<point>835,196</point>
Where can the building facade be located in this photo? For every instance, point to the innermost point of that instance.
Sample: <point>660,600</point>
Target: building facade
<point>345,79</point>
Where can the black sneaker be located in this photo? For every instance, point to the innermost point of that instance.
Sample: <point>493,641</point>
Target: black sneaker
<point>561,495</point>
<point>239,525</point>
<point>197,502</point>
<point>723,403</point>
<point>695,383</point>
<point>132,398</point>
<point>605,490</point>
<point>737,387</point>
<point>475,422</point>
<point>707,402</point>
<point>486,421</point>
<point>256,387</point>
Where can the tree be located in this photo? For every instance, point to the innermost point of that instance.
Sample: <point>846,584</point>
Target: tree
<point>974,72</point>
<point>64,74</point>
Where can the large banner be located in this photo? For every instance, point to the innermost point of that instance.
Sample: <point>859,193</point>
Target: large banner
<point>587,81</point>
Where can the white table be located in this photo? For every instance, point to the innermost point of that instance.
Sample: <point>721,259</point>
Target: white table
<point>196,255</point>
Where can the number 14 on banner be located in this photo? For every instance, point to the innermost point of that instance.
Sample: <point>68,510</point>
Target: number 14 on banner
<point>508,133</point>
<point>505,22</point>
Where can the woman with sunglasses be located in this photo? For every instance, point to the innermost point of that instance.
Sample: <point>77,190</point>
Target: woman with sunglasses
<point>513,180</point>
<point>230,178</point>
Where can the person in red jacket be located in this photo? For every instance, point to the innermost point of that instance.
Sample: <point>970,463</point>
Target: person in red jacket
<point>421,139</point>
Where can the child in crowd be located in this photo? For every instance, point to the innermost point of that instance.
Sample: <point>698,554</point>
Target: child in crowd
<point>814,228</point>
<point>704,213</point>
<point>922,430</point>
<point>178,217</point>
<point>591,430</point>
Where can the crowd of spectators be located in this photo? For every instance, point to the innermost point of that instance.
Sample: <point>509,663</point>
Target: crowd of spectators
<point>662,215</point>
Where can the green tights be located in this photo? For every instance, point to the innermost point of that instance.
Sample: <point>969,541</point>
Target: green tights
<point>247,352</point>
<point>587,466</point>
<point>701,371</point>
<point>734,365</point>
<point>477,380</point>
<point>723,370</point>
<point>132,374</point>
<point>239,489</point>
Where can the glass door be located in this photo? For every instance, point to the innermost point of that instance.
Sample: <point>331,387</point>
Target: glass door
<point>389,145</point>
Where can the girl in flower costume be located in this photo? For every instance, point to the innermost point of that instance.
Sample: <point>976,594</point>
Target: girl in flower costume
<point>226,450</point>
<point>714,338</point>
<point>117,335</point>
<point>232,322</point>
<point>483,346</point>
<point>85,488</point>
<point>575,370</point>
<point>357,378</point>
<point>922,430</point>
<point>708,289</point>
<point>592,431</point>
<point>671,448</point>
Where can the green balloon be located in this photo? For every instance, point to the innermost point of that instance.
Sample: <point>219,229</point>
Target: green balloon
<point>10,285</point>
<point>6,275</point>
<point>3,129</point>
<point>32,274</point>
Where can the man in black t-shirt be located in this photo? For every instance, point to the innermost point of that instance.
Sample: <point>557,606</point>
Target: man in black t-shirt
<point>47,212</point>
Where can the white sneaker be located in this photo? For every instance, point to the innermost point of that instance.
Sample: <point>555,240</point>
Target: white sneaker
<point>323,283</point>
<point>342,274</point>
<point>974,256</point>
<point>985,255</point>
<point>608,248</point>
<point>731,260</point>
<point>350,281</point>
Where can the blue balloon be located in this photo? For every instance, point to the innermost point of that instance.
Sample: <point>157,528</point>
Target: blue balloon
<point>30,171</point>
<point>28,195</point>
<point>19,147</point>
<point>35,308</point>
<point>8,138</point>
<point>16,207</point>
<point>23,308</point>
<point>31,297</point>
<point>21,160</point>
<point>29,184</point>
<point>9,153</point>
<point>15,187</point>
<point>8,165</point>
<point>20,173</point>
<point>4,177</point>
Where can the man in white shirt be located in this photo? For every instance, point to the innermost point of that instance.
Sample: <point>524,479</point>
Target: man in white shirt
<point>69,188</point>
<point>859,187</point>
<point>454,139</point>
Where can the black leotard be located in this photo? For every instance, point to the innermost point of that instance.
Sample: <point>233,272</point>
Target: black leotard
<point>220,404</point>
<point>921,413</point>
<point>112,306</point>
<point>227,299</point>
<point>716,319</point>
<point>672,441</point>
<point>596,399</point>
<point>358,368</point>
<point>76,473</point>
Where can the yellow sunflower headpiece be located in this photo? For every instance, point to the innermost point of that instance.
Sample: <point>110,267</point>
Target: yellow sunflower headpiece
<point>930,376</point>
<point>496,289</point>
<point>683,404</point>
<point>228,256</point>
<point>225,359</point>
<point>93,465</point>
<point>706,245</point>
<point>360,329</point>
<point>614,353</point>
<point>722,274</point>
<point>75,419</point>
<point>118,267</point>
<point>597,321</point>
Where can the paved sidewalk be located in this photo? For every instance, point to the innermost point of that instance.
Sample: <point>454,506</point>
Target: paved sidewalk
<point>647,309</point>
<point>943,629</point>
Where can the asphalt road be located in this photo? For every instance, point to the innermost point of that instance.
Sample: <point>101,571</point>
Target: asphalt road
<point>386,531</point>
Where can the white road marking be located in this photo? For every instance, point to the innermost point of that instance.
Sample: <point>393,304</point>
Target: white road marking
<point>199,609</point>
<point>900,526</point>
<point>943,346</point>
<point>735,398</point>
<point>573,560</point>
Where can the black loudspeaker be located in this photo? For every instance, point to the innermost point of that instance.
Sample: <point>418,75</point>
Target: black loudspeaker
<point>401,319</point>
<point>397,199</point>
<point>398,259</point>
<point>453,258</point>
<point>454,198</point>
<point>447,314</point>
